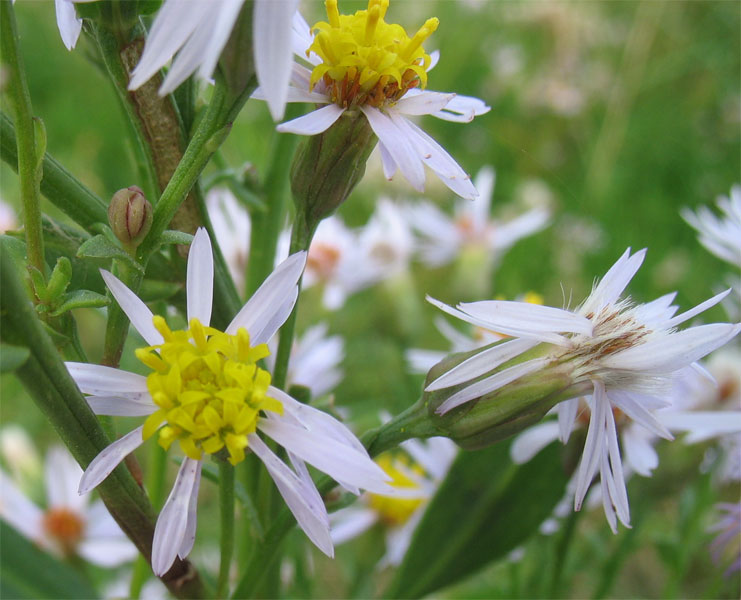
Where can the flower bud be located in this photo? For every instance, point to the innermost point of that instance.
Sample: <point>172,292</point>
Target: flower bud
<point>327,166</point>
<point>504,412</point>
<point>130,215</point>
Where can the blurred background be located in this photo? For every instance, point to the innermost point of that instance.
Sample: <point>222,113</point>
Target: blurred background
<point>614,115</point>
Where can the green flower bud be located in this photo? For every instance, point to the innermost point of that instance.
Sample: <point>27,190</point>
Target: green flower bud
<point>130,215</point>
<point>327,166</point>
<point>504,412</point>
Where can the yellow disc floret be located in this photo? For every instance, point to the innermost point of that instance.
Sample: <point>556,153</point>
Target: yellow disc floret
<point>392,510</point>
<point>208,388</point>
<point>365,59</point>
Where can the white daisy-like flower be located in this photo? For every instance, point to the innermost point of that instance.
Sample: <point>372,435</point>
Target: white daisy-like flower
<point>385,242</point>
<point>618,356</point>
<point>315,360</point>
<point>195,33</point>
<point>360,62</point>
<point>69,525</point>
<point>207,392</point>
<point>442,238</point>
<point>415,475</point>
<point>721,235</point>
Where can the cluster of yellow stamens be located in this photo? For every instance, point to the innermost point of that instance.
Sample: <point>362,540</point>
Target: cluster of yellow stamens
<point>391,510</point>
<point>208,388</point>
<point>365,59</point>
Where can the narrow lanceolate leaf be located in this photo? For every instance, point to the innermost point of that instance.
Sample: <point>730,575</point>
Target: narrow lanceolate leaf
<point>80,299</point>
<point>12,357</point>
<point>504,504</point>
<point>100,246</point>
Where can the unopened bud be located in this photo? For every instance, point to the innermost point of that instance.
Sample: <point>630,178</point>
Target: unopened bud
<point>130,215</point>
<point>327,166</point>
<point>502,413</point>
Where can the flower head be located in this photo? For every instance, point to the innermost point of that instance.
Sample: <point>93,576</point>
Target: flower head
<point>207,393</point>
<point>617,356</point>
<point>720,235</point>
<point>69,525</point>
<point>361,62</point>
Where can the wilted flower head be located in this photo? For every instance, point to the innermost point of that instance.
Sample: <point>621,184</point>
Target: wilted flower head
<point>208,394</point>
<point>615,354</point>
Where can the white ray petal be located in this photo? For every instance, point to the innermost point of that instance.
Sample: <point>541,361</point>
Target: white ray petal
<point>593,445</point>
<point>423,103</point>
<point>199,281</point>
<point>269,297</point>
<point>20,512</point>
<point>636,411</point>
<point>172,522</point>
<point>138,313</point>
<point>100,380</point>
<point>614,282</point>
<point>120,406</point>
<point>109,458</point>
<point>398,146</point>
<point>268,328</point>
<point>294,94</point>
<point>67,22</point>
<point>189,537</point>
<point>526,316</point>
<point>107,552</point>
<point>619,493</point>
<point>315,122</point>
<point>387,162</point>
<point>223,23</point>
<point>311,517</point>
<point>481,363</point>
<point>337,459</point>
<point>702,307</point>
<point>640,455</point>
<point>533,440</point>
<point>567,418</point>
<point>350,522</point>
<point>272,30</point>
<point>674,351</point>
<point>492,383</point>
<point>62,474</point>
<point>701,425</point>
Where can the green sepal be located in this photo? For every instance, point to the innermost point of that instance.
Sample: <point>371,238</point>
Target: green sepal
<point>100,246</point>
<point>12,357</point>
<point>39,284</point>
<point>80,299</point>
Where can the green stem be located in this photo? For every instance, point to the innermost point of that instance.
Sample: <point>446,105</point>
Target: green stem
<point>48,382</point>
<point>226,504</point>
<point>266,226</point>
<point>117,326</point>
<point>60,187</point>
<point>409,424</point>
<point>26,135</point>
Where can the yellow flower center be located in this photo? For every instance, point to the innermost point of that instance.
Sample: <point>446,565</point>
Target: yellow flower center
<point>396,511</point>
<point>365,59</point>
<point>208,388</point>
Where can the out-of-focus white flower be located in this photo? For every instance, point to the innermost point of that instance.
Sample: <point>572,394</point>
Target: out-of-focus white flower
<point>443,238</point>
<point>414,481</point>
<point>728,540</point>
<point>195,33</point>
<point>231,223</point>
<point>315,360</point>
<point>720,235</point>
<point>207,392</point>
<point>8,218</point>
<point>618,356</point>
<point>19,454</point>
<point>69,525</point>
<point>360,62</point>
<point>119,589</point>
<point>385,242</point>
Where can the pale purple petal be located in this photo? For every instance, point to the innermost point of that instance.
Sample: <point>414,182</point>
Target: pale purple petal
<point>614,282</point>
<point>423,103</point>
<point>138,313</point>
<point>313,123</point>
<point>462,109</point>
<point>387,162</point>
<point>492,383</point>
<point>199,281</point>
<point>533,440</point>
<point>350,522</point>
<point>594,444</point>
<point>567,418</point>
<point>640,455</point>
<point>107,552</point>
<point>702,307</point>
<point>109,458</point>
<point>189,537</point>
<point>527,317</point>
<point>225,16</point>
<point>100,380</point>
<point>272,32</point>
<point>19,511</point>
<point>618,493</point>
<point>62,474</point>
<point>701,425</point>
<point>638,413</point>
<point>67,22</point>
<point>120,406</point>
<point>172,522</point>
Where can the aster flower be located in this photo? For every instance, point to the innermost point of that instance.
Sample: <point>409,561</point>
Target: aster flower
<point>198,31</point>
<point>416,473</point>
<point>385,242</point>
<point>720,235</point>
<point>442,238</point>
<point>727,541</point>
<point>207,393</point>
<point>617,355</point>
<point>360,62</point>
<point>69,525</point>
<point>314,362</point>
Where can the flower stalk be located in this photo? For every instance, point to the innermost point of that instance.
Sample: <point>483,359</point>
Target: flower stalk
<point>226,544</point>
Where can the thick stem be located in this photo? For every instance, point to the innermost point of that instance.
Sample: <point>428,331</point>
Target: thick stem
<point>26,136</point>
<point>226,506</point>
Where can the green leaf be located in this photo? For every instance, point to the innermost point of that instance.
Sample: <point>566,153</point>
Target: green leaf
<point>80,299</point>
<point>28,572</point>
<point>152,290</point>
<point>60,278</point>
<point>486,507</point>
<point>175,237</point>
<point>12,357</point>
<point>101,247</point>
